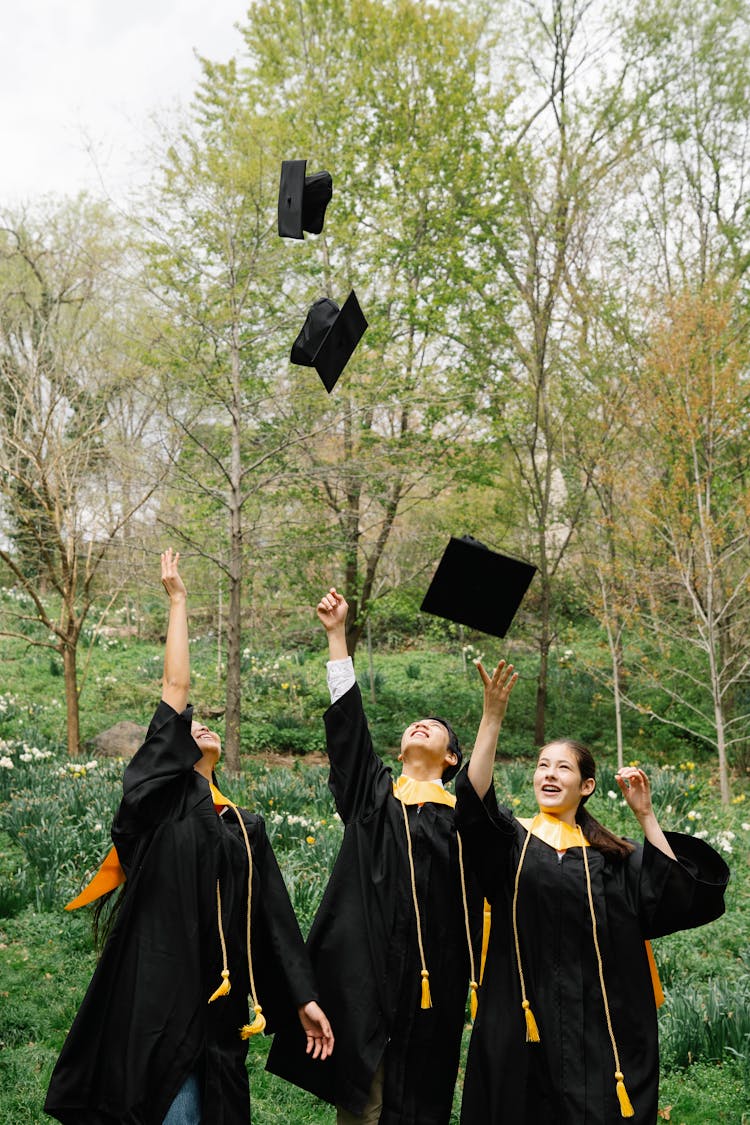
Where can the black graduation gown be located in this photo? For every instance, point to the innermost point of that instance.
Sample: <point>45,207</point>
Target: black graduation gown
<point>363,943</point>
<point>568,1077</point>
<point>145,1023</point>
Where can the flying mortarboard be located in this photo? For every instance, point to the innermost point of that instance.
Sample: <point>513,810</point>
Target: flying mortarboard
<point>302,199</point>
<point>329,336</point>
<point>477,587</point>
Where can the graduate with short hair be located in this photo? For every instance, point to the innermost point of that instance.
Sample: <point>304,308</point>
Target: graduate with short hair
<point>204,932</point>
<point>566,1029</point>
<point>393,942</point>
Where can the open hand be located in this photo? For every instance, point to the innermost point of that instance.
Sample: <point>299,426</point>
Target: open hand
<point>317,1029</point>
<point>497,688</point>
<point>332,610</point>
<point>170,577</point>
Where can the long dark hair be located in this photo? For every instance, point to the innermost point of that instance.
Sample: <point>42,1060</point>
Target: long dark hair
<point>104,915</point>
<point>597,835</point>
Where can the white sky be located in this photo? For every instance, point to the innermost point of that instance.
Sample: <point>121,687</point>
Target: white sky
<point>89,74</point>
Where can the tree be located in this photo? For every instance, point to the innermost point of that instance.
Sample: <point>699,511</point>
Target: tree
<point>559,149</point>
<point>386,94</point>
<point>693,398</point>
<point>70,476</point>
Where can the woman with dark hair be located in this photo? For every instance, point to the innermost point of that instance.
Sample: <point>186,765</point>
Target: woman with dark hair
<point>566,1027</point>
<point>204,923</point>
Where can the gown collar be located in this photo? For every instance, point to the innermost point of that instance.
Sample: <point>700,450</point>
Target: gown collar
<point>551,830</point>
<point>413,792</point>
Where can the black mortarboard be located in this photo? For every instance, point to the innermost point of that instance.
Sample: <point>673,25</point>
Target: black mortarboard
<point>302,199</point>
<point>477,587</point>
<point>329,336</point>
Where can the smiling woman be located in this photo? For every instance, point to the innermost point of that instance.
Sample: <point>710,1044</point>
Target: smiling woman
<point>566,1028</point>
<point>161,1035</point>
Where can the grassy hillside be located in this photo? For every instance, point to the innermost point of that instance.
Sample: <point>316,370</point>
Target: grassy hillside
<point>55,814</point>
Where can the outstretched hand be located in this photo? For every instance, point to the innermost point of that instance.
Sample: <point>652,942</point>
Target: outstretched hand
<point>317,1029</point>
<point>332,610</point>
<point>497,689</point>
<point>170,576</point>
<point>636,789</point>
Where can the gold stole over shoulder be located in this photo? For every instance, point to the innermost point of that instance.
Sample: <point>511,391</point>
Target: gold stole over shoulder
<point>551,830</point>
<point>412,792</point>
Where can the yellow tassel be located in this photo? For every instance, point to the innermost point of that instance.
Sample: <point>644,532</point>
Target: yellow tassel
<point>223,988</point>
<point>257,1025</point>
<point>426,998</point>
<point>473,999</point>
<point>626,1109</point>
<point>532,1031</point>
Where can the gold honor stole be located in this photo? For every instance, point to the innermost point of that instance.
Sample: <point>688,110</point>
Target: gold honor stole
<point>561,836</point>
<point>111,875</point>
<point>412,792</point>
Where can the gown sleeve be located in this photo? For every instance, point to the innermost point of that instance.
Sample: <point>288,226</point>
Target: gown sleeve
<point>487,833</point>
<point>683,893</point>
<point>159,782</point>
<point>358,779</point>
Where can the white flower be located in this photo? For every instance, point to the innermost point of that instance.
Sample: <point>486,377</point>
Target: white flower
<point>6,763</point>
<point>693,815</point>
<point>611,794</point>
<point>668,809</point>
<point>701,835</point>
<point>26,757</point>
<point>745,827</point>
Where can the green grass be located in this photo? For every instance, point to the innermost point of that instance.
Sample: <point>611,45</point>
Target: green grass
<point>55,815</point>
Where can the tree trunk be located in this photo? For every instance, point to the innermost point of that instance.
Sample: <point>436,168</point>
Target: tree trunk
<point>233,712</point>
<point>71,697</point>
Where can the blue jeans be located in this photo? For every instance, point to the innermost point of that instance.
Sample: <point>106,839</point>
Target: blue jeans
<point>186,1107</point>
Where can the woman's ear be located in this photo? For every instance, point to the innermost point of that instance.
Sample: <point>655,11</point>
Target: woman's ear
<point>588,786</point>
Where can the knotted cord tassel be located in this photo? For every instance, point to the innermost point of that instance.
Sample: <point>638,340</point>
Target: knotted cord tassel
<point>532,1031</point>
<point>426,998</point>
<point>223,988</point>
<point>257,1025</point>
<point>473,1001</point>
<point>626,1109</point>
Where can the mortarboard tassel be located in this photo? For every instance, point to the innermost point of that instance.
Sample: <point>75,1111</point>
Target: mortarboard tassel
<point>473,1001</point>
<point>426,998</point>
<point>257,1025</point>
<point>532,1031</point>
<point>626,1108</point>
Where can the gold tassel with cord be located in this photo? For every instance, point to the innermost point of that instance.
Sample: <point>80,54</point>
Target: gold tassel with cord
<point>626,1108</point>
<point>426,998</point>
<point>473,999</point>
<point>532,1031</point>
<point>223,988</point>
<point>257,1025</point>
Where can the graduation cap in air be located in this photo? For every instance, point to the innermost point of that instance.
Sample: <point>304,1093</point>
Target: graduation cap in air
<point>302,199</point>
<point>329,336</point>
<point>477,587</point>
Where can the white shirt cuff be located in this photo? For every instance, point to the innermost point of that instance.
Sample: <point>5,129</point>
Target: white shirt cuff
<point>340,675</point>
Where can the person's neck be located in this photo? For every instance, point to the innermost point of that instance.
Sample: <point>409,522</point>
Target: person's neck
<point>568,817</point>
<point>205,768</point>
<point>421,771</point>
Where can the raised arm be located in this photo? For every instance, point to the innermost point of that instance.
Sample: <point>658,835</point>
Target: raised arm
<point>332,610</point>
<point>176,678</point>
<point>497,689</point>
<point>636,789</point>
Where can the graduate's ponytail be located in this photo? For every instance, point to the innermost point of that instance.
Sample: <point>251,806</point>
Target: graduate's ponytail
<point>104,916</point>
<point>597,835</point>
